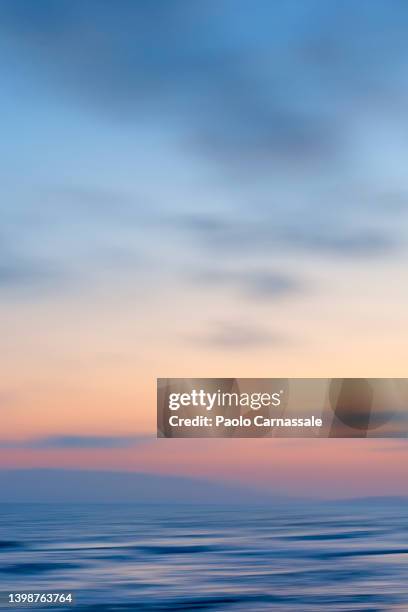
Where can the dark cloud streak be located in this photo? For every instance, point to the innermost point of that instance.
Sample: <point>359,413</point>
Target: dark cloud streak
<point>255,283</point>
<point>239,336</point>
<point>77,442</point>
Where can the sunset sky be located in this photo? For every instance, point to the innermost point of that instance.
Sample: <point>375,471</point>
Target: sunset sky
<point>199,189</point>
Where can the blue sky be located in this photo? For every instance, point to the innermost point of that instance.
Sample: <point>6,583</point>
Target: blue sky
<point>199,130</point>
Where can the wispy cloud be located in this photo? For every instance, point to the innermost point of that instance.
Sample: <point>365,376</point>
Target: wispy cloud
<point>268,233</point>
<point>28,274</point>
<point>239,335</point>
<point>254,283</point>
<point>77,441</point>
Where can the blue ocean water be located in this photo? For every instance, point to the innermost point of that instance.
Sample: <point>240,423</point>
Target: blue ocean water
<point>292,558</point>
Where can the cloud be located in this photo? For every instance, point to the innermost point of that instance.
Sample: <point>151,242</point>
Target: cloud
<point>271,91</point>
<point>30,274</point>
<point>252,283</point>
<point>238,94</point>
<point>157,59</point>
<point>236,336</point>
<point>343,240</point>
<point>267,235</point>
<point>77,441</point>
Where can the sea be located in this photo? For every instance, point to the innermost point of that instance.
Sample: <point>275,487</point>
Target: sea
<point>296,557</point>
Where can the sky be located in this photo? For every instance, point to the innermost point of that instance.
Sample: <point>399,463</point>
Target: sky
<point>199,189</point>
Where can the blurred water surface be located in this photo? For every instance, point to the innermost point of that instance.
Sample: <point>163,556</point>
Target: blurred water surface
<point>121,557</point>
